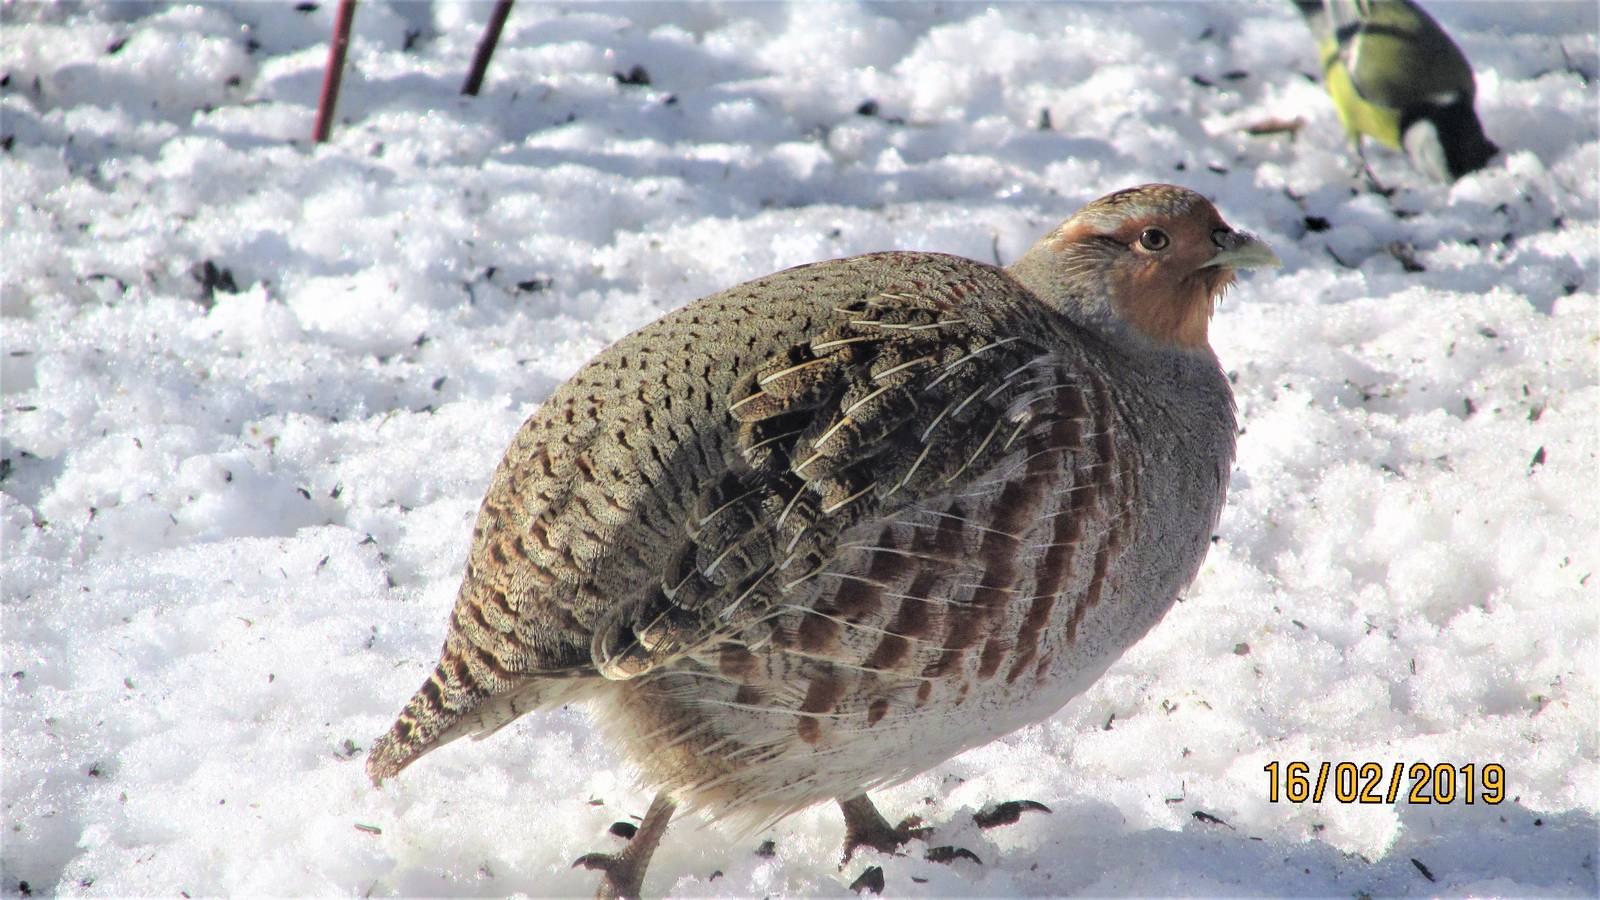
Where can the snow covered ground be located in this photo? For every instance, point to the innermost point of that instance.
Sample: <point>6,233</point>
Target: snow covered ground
<point>254,390</point>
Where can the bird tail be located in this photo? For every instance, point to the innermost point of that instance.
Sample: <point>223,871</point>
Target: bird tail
<point>446,708</point>
<point>436,709</point>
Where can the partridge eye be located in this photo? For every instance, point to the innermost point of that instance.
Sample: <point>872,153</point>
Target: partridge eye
<point>1154,239</point>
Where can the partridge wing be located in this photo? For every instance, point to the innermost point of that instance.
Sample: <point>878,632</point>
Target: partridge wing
<point>915,388</point>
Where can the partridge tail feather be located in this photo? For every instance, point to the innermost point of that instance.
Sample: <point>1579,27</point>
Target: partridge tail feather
<point>446,708</point>
<point>432,711</point>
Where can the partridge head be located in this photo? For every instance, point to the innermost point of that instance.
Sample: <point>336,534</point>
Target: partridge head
<point>822,531</point>
<point>1149,261</point>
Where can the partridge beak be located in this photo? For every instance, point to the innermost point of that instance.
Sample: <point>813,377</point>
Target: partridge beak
<point>1237,250</point>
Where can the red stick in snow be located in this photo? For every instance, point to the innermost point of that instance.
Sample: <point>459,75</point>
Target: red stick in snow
<point>491,36</point>
<point>334,71</point>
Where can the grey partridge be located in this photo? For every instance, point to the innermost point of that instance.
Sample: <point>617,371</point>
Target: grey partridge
<point>822,531</point>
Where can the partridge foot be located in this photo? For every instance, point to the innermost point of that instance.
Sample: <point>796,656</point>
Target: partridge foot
<point>623,873</point>
<point>621,877</point>
<point>864,826</point>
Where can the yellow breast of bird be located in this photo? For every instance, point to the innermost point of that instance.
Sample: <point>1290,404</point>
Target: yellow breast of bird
<point>1357,115</point>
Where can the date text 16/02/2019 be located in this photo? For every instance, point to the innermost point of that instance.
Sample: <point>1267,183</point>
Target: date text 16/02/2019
<point>1370,782</point>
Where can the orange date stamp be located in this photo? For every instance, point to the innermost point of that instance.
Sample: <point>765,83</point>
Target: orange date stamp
<point>1370,782</point>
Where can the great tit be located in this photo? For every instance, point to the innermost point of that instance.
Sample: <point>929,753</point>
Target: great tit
<point>1395,76</point>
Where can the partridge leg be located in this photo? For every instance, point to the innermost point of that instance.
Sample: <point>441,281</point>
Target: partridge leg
<point>624,872</point>
<point>864,826</point>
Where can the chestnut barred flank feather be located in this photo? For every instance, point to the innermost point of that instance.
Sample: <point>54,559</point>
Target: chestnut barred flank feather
<point>819,532</point>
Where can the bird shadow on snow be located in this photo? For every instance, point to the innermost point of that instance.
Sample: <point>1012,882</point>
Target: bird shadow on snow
<point>1501,849</point>
<point>1082,850</point>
